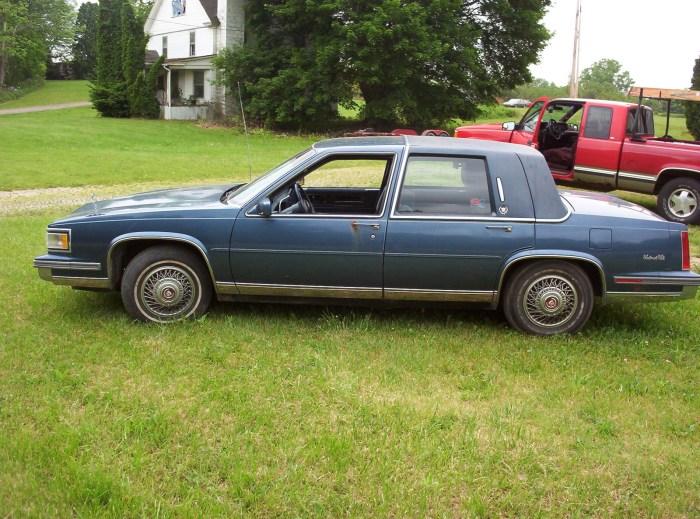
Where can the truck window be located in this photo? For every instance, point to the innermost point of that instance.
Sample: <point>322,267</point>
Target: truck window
<point>646,122</point>
<point>598,121</point>
<point>529,120</point>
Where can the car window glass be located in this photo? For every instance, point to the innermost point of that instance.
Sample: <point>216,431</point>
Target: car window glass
<point>445,186</point>
<point>598,121</point>
<point>342,185</point>
<point>529,120</point>
<point>348,173</point>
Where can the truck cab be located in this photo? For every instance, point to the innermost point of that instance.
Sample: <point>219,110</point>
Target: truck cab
<point>604,146</point>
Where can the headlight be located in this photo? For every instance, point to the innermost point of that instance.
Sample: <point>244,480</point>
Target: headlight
<point>58,239</point>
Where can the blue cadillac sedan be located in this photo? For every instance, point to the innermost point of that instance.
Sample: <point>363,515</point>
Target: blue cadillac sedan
<point>381,221</point>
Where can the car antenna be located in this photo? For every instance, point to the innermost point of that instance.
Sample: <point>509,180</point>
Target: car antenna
<point>247,139</point>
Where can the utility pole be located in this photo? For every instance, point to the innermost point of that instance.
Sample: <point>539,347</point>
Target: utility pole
<point>573,78</point>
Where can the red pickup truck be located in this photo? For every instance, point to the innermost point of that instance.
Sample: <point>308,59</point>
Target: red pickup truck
<point>607,145</point>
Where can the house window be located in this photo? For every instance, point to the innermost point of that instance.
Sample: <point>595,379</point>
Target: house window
<point>192,43</point>
<point>165,47</point>
<point>178,7</point>
<point>198,83</point>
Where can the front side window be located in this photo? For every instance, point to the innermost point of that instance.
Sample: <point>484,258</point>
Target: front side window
<point>444,186</point>
<point>529,120</point>
<point>340,185</point>
<point>198,83</point>
<point>165,47</point>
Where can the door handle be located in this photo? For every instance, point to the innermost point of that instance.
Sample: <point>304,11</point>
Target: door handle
<point>504,228</point>
<point>374,226</point>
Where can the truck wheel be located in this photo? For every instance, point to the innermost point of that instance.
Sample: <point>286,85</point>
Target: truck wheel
<point>548,297</point>
<point>678,200</point>
<point>163,284</point>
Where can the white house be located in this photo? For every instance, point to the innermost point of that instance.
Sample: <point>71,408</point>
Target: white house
<point>188,34</point>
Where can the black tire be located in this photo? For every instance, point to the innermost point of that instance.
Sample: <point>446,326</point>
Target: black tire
<point>165,283</point>
<point>678,201</point>
<point>548,297</point>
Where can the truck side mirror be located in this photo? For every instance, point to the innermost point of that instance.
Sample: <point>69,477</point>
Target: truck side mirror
<point>509,126</point>
<point>264,207</point>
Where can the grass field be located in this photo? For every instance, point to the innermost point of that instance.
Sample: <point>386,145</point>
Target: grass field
<point>269,410</point>
<point>53,92</point>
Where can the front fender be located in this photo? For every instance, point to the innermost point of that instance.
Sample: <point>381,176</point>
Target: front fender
<point>167,237</point>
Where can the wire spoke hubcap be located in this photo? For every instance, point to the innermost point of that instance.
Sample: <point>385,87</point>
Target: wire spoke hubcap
<point>550,301</point>
<point>682,202</point>
<point>168,291</point>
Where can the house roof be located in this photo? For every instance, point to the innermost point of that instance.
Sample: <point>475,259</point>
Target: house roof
<point>151,57</point>
<point>210,6</point>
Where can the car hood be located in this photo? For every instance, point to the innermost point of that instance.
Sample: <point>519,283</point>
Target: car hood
<point>185,197</point>
<point>601,204</point>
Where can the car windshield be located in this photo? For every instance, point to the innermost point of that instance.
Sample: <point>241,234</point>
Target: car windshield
<point>248,191</point>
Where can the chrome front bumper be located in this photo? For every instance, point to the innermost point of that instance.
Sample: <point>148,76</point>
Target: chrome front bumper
<point>46,267</point>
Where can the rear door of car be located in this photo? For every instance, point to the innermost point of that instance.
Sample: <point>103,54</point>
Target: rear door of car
<point>454,221</point>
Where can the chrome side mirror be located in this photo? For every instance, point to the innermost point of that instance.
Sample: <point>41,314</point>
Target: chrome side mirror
<point>509,126</point>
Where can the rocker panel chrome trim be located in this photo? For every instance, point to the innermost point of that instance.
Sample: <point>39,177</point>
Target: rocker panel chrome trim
<point>409,294</point>
<point>253,289</point>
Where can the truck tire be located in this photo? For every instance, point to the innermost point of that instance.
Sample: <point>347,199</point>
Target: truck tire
<point>678,201</point>
<point>548,297</point>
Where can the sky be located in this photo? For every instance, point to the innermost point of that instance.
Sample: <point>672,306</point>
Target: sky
<point>657,42</point>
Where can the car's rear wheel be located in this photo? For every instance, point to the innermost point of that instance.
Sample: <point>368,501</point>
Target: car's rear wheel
<point>163,284</point>
<point>678,200</point>
<point>548,297</point>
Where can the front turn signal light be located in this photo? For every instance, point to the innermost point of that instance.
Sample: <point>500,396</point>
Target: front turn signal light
<point>58,240</point>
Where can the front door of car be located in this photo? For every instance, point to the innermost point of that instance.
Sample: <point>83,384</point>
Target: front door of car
<point>334,250</point>
<point>451,229</point>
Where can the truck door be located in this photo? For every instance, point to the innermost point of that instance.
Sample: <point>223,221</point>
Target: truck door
<point>527,129</point>
<point>598,148</point>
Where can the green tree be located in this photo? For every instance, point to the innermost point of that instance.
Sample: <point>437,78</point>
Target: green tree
<point>84,48</point>
<point>121,88</point>
<point>692,109</point>
<point>414,63</point>
<point>605,79</point>
<point>536,88</point>
<point>29,31</point>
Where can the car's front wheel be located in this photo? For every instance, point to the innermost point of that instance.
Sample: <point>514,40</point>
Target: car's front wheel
<point>548,297</point>
<point>678,200</point>
<point>163,284</point>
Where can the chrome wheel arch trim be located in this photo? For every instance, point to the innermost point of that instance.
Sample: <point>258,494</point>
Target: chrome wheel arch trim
<point>158,237</point>
<point>565,256</point>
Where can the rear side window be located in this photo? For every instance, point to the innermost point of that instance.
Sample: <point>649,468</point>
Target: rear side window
<point>598,122</point>
<point>645,125</point>
<point>445,186</point>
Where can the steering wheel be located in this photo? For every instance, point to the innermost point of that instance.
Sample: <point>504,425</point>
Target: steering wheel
<point>556,129</point>
<point>305,205</point>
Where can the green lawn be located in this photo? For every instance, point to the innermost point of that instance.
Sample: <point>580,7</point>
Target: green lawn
<point>53,92</point>
<point>270,410</point>
<point>76,147</point>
